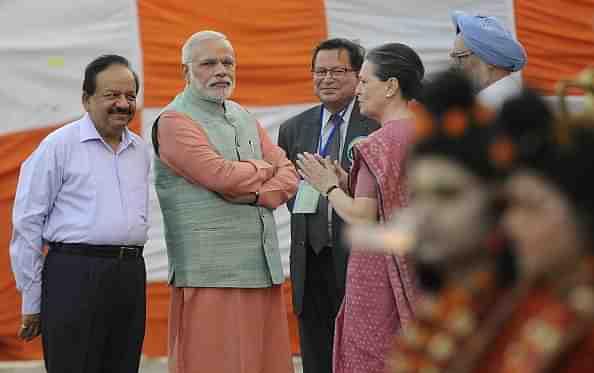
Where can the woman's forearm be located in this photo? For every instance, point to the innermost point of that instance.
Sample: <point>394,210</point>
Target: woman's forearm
<point>353,210</point>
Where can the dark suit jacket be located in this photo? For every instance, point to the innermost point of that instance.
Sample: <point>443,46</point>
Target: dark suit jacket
<point>301,134</point>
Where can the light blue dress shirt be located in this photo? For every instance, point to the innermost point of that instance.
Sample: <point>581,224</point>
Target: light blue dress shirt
<point>327,126</point>
<point>75,188</point>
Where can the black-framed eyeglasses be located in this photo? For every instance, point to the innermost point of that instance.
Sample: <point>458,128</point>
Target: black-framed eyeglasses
<point>336,72</point>
<point>460,55</point>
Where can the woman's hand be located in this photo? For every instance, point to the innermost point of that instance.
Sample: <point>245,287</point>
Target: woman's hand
<point>343,176</point>
<point>319,172</point>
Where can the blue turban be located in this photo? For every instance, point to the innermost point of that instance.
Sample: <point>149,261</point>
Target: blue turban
<point>487,38</point>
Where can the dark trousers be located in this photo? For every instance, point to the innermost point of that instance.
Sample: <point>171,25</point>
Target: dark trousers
<point>321,301</point>
<point>93,313</point>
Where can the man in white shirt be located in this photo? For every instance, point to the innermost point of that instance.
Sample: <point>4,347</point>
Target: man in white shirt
<point>84,193</point>
<point>486,51</point>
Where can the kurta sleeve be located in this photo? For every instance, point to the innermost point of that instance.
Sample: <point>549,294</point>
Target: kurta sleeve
<point>283,185</point>
<point>185,148</point>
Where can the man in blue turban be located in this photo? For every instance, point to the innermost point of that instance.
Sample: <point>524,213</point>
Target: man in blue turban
<point>486,51</point>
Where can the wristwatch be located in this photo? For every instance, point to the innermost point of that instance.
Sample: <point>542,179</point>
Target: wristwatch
<point>331,189</point>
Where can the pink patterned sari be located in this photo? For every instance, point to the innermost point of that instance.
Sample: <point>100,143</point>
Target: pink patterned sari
<point>380,289</point>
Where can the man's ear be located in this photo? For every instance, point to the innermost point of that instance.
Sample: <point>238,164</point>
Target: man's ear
<point>85,100</point>
<point>186,72</point>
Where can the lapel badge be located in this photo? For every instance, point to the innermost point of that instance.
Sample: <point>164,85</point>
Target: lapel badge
<point>349,150</point>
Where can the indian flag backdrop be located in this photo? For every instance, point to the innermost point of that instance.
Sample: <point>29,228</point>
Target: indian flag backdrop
<point>44,47</point>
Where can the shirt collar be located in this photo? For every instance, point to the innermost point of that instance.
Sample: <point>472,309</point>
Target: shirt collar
<point>346,114</point>
<point>88,131</point>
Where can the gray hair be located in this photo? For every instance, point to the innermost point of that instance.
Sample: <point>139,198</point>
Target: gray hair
<point>195,40</point>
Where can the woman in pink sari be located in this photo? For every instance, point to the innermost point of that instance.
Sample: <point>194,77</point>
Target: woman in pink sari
<point>380,289</point>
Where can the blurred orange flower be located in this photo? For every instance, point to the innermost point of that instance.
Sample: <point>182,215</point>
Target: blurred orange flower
<point>483,114</point>
<point>502,152</point>
<point>424,125</point>
<point>454,123</point>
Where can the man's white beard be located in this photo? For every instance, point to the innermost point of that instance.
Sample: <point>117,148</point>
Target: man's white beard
<point>205,92</point>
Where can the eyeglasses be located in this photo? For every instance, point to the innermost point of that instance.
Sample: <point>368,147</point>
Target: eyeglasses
<point>336,72</point>
<point>459,56</point>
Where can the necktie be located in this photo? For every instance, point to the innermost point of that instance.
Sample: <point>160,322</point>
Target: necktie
<point>319,225</point>
<point>334,141</point>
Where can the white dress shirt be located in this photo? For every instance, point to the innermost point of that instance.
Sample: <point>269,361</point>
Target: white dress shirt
<point>75,189</point>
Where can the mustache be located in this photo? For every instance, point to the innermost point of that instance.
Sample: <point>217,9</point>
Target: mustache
<point>120,110</point>
<point>226,81</point>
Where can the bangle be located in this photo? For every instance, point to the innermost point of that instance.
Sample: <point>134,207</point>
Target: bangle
<point>255,203</point>
<point>331,189</point>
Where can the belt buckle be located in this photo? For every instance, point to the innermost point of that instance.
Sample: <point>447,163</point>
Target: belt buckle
<point>124,249</point>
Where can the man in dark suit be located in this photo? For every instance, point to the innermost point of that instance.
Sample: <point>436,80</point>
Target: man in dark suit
<point>318,253</point>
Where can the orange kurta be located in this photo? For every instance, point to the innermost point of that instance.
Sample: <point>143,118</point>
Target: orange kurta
<point>228,330</point>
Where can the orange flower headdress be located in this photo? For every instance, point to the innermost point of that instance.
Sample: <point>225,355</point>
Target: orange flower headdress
<point>450,123</point>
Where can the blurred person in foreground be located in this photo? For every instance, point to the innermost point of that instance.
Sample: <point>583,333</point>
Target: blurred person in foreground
<point>219,178</point>
<point>549,325</point>
<point>546,323</point>
<point>380,291</point>
<point>490,55</point>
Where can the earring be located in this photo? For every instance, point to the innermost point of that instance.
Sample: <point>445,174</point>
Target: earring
<point>389,92</point>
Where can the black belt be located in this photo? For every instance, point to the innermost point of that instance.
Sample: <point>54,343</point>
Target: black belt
<point>102,251</point>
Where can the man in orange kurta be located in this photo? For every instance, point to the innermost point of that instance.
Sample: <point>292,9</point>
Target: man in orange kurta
<point>227,310</point>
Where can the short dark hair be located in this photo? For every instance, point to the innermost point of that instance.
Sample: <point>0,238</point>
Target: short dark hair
<point>356,51</point>
<point>396,60</point>
<point>102,63</point>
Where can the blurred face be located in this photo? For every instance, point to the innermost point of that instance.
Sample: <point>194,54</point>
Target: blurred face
<point>113,104</point>
<point>371,92</point>
<point>212,71</point>
<point>451,205</point>
<point>540,221</point>
<point>334,78</point>
<point>466,61</point>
